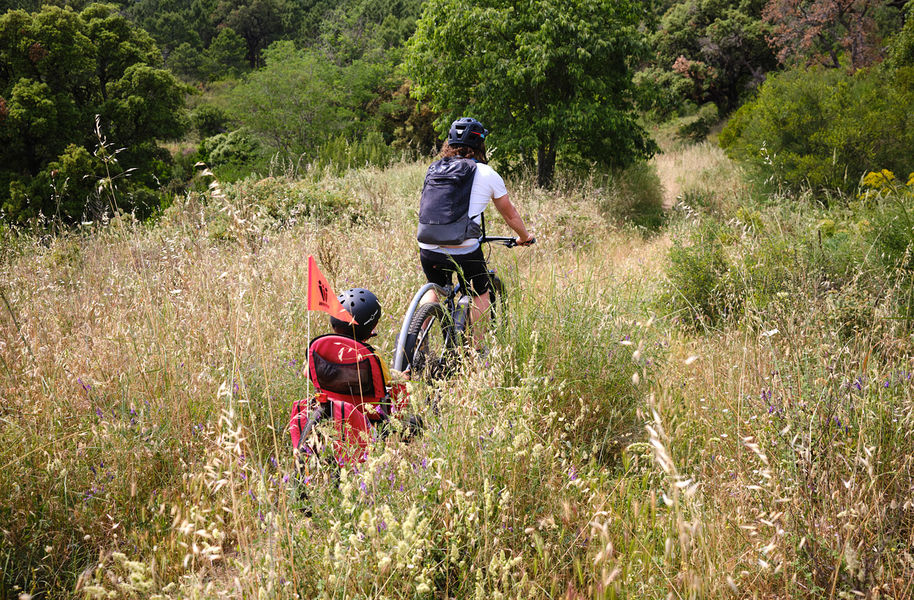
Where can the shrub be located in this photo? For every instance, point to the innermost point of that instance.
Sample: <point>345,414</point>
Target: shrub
<point>661,92</point>
<point>208,120</point>
<point>697,127</point>
<point>232,155</point>
<point>274,202</point>
<point>892,233</point>
<point>341,154</point>
<point>698,278</point>
<point>824,128</point>
<point>636,197</point>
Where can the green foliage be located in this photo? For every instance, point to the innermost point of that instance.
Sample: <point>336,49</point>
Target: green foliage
<point>892,231</point>
<point>550,79</point>
<point>230,152</point>
<point>73,176</point>
<point>411,122</point>
<point>258,22</point>
<point>209,120</point>
<point>187,62</point>
<point>299,100</point>
<point>699,281</point>
<point>824,128</point>
<point>696,127</point>
<point>223,59</point>
<point>225,55</point>
<point>901,48</point>
<point>58,70</point>
<point>635,197</point>
<point>661,92</point>
<point>718,46</point>
<point>365,29</point>
<point>271,204</point>
<point>339,154</point>
<point>174,23</point>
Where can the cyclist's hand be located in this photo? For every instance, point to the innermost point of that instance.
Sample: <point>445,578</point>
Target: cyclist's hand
<point>528,242</point>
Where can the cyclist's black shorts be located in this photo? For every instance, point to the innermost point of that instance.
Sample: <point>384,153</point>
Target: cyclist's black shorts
<point>471,267</point>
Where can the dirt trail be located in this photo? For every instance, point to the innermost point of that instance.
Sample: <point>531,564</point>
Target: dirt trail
<point>668,166</point>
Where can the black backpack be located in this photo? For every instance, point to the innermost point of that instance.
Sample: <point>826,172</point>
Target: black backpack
<point>444,209</point>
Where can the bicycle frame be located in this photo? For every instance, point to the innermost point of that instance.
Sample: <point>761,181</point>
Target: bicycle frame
<point>448,296</point>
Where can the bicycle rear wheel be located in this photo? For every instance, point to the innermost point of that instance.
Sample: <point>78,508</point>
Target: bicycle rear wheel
<point>430,345</point>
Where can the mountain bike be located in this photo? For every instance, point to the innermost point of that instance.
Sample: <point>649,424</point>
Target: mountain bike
<point>434,335</point>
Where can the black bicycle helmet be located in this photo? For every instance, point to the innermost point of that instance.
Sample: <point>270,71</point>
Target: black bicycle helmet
<point>467,131</point>
<point>364,308</point>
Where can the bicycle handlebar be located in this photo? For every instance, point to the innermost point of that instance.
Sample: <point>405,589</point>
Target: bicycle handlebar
<point>507,242</point>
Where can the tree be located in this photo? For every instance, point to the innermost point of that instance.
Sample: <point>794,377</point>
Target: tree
<point>59,71</point>
<point>259,22</point>
<point>226,54</point>
<point>551,79</point>
<point>901,48</point>
<point>825,31</point>
<point>294,102</point>
<point>175,22</point>
<point>367,28</point>
<point>710,51</point>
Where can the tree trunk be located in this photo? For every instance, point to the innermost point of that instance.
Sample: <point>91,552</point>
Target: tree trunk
<point>545,165</point>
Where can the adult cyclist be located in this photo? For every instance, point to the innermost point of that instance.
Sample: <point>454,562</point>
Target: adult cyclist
<point>458,188</point>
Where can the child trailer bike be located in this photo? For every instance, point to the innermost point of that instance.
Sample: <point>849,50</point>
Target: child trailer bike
<point>352,395</point>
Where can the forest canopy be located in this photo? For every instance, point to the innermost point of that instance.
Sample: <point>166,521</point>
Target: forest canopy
<point>83,103</point>
<point>109,106</point>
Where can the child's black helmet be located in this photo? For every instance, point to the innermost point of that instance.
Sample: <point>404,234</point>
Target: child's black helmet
<point>467,131</point>
<point>364,308</point>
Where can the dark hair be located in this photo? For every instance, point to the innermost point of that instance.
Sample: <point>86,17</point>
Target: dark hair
<point>448,151</point>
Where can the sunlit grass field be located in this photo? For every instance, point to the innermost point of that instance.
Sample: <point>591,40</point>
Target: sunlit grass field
<point>635,431</point>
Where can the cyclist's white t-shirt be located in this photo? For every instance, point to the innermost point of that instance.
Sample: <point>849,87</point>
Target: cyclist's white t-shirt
<point>487,185</point>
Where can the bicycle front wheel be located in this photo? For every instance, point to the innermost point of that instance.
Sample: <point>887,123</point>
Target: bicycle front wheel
<point>430,343</point>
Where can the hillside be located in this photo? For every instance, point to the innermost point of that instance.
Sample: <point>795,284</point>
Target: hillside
<point>720,407</point>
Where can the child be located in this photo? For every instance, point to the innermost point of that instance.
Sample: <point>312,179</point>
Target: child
<point>353,383</point>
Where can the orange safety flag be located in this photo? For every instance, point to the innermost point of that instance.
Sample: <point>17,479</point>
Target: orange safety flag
<point>321,297</point>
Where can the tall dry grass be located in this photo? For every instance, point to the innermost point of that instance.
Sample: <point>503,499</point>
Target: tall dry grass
<point>598,450</point>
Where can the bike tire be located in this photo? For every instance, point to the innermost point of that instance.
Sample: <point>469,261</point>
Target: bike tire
<point>430,345</point>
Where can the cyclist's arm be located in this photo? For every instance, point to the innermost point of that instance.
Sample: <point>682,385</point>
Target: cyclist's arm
<point>512,218</point>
